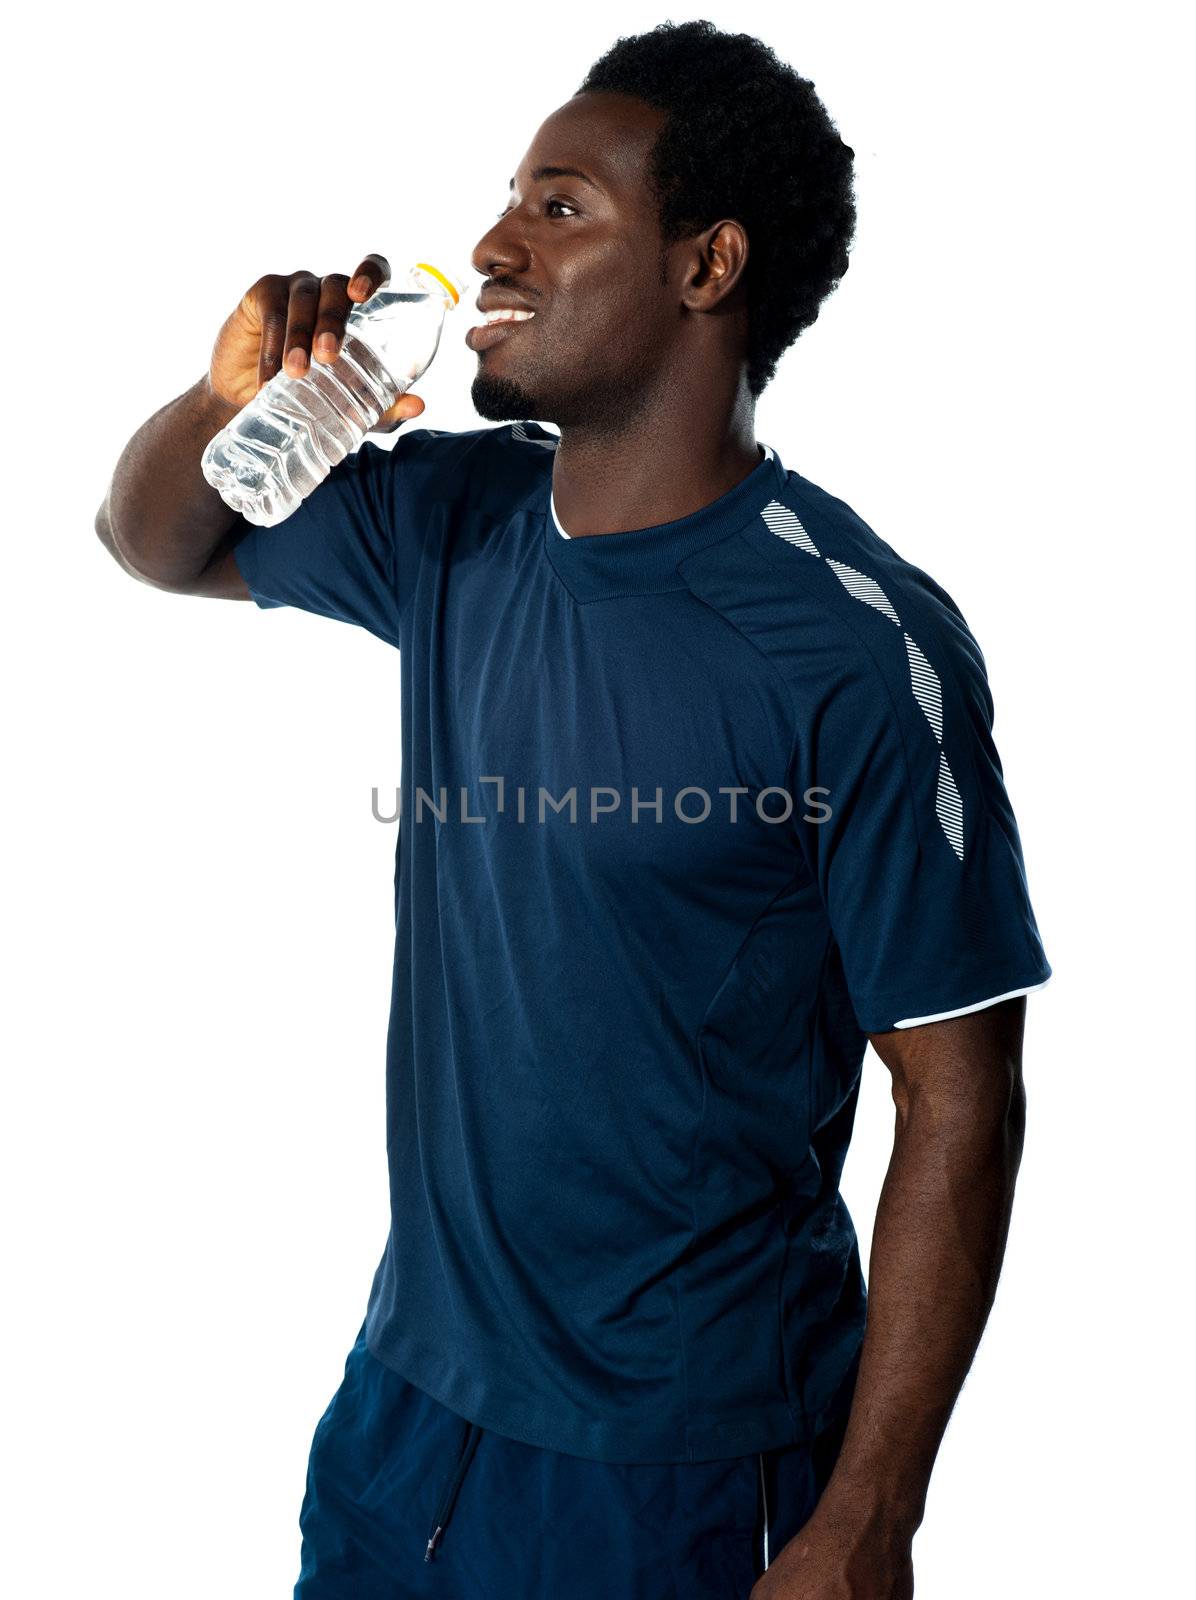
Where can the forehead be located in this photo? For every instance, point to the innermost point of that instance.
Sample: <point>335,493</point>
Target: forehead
<point>609,137</point>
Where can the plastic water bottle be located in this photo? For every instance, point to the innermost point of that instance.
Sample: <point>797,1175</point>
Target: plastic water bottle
<point>285,442</point>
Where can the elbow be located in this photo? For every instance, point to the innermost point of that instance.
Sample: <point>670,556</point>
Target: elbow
<point>104,528</point>
<point>109,541</point>
<point>104,533</point>
<point>107,537</point>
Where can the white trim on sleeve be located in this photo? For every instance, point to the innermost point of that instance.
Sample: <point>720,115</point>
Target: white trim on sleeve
<point>941,1016</point>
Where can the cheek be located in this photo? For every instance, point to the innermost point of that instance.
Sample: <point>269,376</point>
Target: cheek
<point>610,266</point>
<point>612,294</point>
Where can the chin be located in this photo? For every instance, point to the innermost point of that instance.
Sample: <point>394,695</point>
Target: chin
<point>502,400</point>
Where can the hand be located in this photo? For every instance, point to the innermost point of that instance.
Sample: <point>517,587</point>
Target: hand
<point>283,322</point>
<point>835,1558</point>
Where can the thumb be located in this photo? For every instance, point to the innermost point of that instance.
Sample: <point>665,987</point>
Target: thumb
<point>405,407</point>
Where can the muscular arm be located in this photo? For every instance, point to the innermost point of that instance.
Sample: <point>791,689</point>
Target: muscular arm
<point>161,519</point>
<point>937,1248</point>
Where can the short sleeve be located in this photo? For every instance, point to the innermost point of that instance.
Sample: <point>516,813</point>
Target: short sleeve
<point>919,863</point>
<point>336,554</point>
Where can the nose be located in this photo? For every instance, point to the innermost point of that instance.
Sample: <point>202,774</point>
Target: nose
<point>499,250</point>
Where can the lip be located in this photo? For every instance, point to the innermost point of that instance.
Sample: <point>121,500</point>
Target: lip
<point>502,300</point>
<point>484,334</point>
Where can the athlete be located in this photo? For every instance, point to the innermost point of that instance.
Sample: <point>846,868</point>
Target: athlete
<point>699,796</point>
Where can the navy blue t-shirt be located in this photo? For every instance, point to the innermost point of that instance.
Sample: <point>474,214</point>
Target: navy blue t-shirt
<point>686,813</point>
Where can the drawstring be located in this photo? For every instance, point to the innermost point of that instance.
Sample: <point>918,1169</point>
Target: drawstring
<point>448,1499</point>
<point>764,1497</point>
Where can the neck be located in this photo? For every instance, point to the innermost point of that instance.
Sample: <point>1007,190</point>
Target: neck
<point>656,464</point>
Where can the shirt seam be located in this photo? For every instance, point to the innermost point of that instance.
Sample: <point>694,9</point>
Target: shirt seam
<point>760,651</point>
<point>797,877</point>
<point>841,620</point>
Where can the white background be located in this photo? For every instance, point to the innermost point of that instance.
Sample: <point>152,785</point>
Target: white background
<point>200,904</point>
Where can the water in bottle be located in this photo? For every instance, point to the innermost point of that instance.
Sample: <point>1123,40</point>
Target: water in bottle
<point>292,433</point>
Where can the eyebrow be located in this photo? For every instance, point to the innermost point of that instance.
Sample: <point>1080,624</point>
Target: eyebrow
<point>559,172</point>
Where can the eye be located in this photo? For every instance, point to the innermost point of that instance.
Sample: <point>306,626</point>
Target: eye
<point>499,215</point>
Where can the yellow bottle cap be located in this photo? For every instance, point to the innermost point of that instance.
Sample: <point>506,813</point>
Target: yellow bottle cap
<point>448,283</point>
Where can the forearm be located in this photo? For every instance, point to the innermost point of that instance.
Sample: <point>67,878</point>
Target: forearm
<point>161,519</point>
<point>939,1239</point>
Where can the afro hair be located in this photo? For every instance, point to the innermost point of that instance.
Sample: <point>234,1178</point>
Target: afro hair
<point>746,138</point>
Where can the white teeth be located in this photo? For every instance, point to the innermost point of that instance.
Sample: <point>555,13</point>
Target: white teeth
<point>508,316</point>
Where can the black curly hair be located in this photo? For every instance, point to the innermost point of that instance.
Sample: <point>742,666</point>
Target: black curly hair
<point>747,138</point>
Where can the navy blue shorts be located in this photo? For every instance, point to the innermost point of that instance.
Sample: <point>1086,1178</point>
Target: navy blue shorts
<point>405,1497</point>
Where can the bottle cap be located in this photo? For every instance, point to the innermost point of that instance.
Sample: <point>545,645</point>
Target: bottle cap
<point>453,286</point>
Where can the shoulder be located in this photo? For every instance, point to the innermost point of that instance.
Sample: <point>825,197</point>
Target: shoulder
<point>878,658</point>
<point>474,463</point>
<point>830,603</point>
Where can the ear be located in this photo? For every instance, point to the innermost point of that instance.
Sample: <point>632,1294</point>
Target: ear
<point>714,266</point>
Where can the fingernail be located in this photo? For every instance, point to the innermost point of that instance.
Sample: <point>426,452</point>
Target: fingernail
<point>326,344</point>
<point>359,285</point>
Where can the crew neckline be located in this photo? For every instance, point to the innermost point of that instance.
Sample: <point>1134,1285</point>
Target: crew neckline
<point>644,560</point>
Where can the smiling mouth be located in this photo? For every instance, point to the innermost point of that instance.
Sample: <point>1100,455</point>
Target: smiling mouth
<point>496,328</point>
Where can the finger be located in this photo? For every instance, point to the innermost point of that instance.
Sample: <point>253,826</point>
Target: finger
<point>302,305</point>
<point>333,309</point>
<point>371,274</point>
<point>269,301</point>
<point>405,407</point>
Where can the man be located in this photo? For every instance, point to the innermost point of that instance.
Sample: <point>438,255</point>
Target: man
<point>699,795</point>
